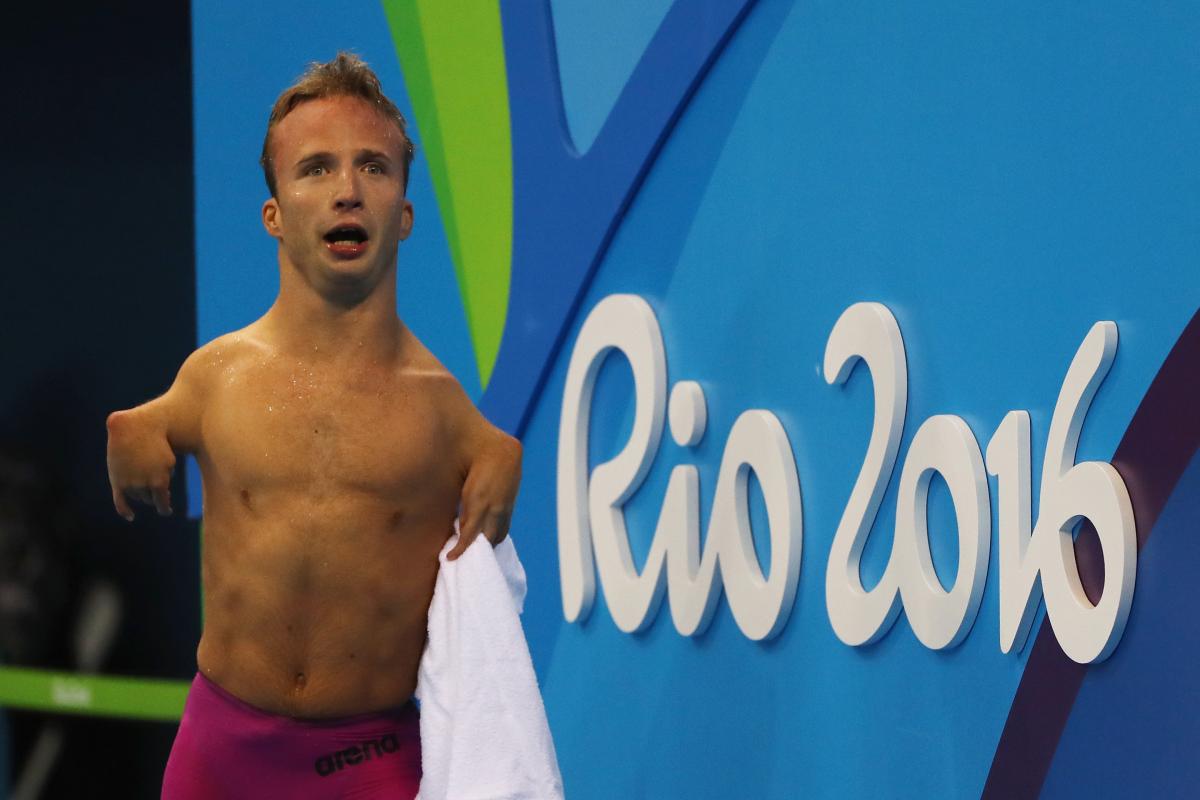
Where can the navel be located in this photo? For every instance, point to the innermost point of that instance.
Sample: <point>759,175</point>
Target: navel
<point>245,494</point>
<point>300,680</point>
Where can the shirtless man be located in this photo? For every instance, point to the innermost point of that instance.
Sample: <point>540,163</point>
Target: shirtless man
<point>335,453</point>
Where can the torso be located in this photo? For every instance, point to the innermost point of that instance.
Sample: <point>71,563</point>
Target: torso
<point>328,494</point>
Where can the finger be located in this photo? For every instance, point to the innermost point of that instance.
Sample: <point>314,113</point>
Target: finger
<point>122,505</point>
<point>468,524</point>
<point>162,500</point>
<point>503,522</point>
<point>488,529</point>
<point>494,529</point>
<point>464,541</point>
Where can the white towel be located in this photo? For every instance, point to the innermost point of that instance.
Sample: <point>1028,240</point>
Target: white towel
<point>484,734</point>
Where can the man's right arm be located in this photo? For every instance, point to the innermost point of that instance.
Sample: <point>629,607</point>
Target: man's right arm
<point>143,441</point>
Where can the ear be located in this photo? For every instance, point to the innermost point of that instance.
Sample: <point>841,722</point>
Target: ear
<point>271,218</point>
<point>406,219</point>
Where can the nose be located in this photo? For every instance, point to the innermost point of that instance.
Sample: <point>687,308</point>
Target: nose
<point>346,194</point>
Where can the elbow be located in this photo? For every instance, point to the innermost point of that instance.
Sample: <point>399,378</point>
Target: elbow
<point>515,449</point>
<point>504,450</point>
<point>116,422</point>
<point>516,452</point>
<point>135,423</point>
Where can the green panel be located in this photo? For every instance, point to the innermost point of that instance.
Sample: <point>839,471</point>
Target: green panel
<point>93,695</point>
<point>405,26</point>
<point>452,57</point>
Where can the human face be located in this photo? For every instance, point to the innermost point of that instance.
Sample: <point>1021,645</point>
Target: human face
<point>339,212</point>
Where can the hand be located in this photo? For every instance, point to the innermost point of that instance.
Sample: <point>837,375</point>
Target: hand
<point>489,493</point>
<point>140,461</point>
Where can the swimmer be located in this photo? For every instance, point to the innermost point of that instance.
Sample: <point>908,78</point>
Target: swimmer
<point>336,452</point>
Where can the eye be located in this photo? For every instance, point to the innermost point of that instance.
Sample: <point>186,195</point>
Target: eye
<point>315,170</point>
<point>373,168</point>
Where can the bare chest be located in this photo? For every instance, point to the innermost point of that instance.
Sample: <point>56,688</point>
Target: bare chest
<point>276,425</point>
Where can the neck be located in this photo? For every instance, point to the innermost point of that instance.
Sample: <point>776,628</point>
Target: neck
<point>357,322</point>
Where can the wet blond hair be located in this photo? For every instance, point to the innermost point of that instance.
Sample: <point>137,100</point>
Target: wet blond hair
<point>346,75</point>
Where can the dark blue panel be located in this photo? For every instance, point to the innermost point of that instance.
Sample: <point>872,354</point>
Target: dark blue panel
<point>1136,720</point>
<point>567,206</point>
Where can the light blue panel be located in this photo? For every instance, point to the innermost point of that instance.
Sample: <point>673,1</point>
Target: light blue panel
<point>243,58</point>
<point>598,45</point>
<point>1001,178</point>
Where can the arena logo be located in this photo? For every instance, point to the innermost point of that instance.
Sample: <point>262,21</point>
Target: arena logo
<point>1035,560</point>
<point>355,754</point>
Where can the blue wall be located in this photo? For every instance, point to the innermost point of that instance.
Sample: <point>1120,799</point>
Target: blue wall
<point>1001,177</point>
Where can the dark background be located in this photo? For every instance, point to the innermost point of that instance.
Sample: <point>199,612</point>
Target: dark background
<point>97,311</point>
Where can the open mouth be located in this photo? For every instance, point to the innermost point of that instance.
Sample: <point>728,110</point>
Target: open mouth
<point>346,240</point>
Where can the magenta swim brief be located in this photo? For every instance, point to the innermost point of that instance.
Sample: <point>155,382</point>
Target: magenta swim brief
<point>226,748</point>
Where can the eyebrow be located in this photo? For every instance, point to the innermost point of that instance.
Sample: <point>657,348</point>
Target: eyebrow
<point>372,155</point>
<point>322,156</point>
<point>362,157</point>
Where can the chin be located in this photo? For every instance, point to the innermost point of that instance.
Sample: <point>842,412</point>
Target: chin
<point>364,264</point>
<point>347,273</point>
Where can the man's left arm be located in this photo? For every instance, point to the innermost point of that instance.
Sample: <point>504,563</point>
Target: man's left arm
<point>492,461</point>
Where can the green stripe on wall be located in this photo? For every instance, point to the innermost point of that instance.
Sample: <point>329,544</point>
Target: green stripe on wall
<point>410,47</point>
<point>452,57</point>
<point>156,699</point>
<point>93,695</point>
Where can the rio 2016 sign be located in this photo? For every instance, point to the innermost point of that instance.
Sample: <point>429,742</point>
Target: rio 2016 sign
<point>1035,559</point>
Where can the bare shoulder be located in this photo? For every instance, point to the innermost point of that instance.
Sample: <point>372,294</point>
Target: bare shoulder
<point>469,429</point>
<point>191,394</point>
<point>444,396</point>
<point>222,354</point>
<point>422,369</point>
